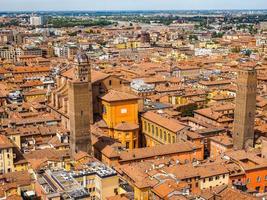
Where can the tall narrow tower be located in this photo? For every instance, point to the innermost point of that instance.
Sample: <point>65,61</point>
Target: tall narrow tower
<point>80,105</point>
<point>243,132</point>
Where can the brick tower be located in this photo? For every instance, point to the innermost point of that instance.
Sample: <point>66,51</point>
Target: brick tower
<point>243,132</point>
<point>80,105</point>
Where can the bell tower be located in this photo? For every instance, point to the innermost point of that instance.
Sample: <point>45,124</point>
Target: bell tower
<point>80,105</point>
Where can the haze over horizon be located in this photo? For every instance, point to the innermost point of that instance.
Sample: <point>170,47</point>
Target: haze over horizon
<point>90,5</point>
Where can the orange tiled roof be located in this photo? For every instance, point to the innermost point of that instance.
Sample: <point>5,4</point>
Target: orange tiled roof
<point>5,142</point>
<point>170,124</point>
<point>126,126</point>
<point>114,95</point>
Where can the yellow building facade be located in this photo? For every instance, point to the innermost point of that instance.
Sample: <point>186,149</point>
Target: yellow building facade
<point>120,112</point>
<point>6,160</point>
<point>178,100</point>
<point>128,45</point>
<point>36,94</point>
<point>6,155</point>
<point>160,130</point>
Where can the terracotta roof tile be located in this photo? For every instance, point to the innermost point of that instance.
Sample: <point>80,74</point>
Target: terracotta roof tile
<point>5,142</point>
<point>168,123</point>
<point>126,126</point>
<point>114,95</point>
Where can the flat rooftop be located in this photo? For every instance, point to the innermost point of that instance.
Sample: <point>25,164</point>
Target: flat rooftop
<point>61,183</point>
<point>96,168</point>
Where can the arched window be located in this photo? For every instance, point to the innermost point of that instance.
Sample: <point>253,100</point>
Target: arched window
<point>173,139</point>
<point>145,125</point>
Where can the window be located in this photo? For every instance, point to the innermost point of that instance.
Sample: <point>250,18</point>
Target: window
<point>258,179</point>
<point>248,180</point>
<point>81,113</point>
<point>257,188</point>
<point>110,82</point>
<point>160,135</point>
<point>152,127</point>
<point>169,138</point>
<point>116,191</point>
<point>127,145</point>
<point>157,132</point>
<point>217,177</point>
<point>104,109</point>
<point>123,110</point>
<point>265,178</point>
<point>145,124</point>
<point>165,136</point>
<point>211,179</point>
<point>149,127</point>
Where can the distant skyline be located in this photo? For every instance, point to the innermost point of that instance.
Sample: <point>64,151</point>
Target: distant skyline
<point>91,5</point>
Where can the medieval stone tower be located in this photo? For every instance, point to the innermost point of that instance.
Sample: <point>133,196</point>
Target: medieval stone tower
<point>80,105</point>
<point>243,132</point>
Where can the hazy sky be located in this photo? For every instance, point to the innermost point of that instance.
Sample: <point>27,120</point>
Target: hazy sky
<point>22,5</point>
